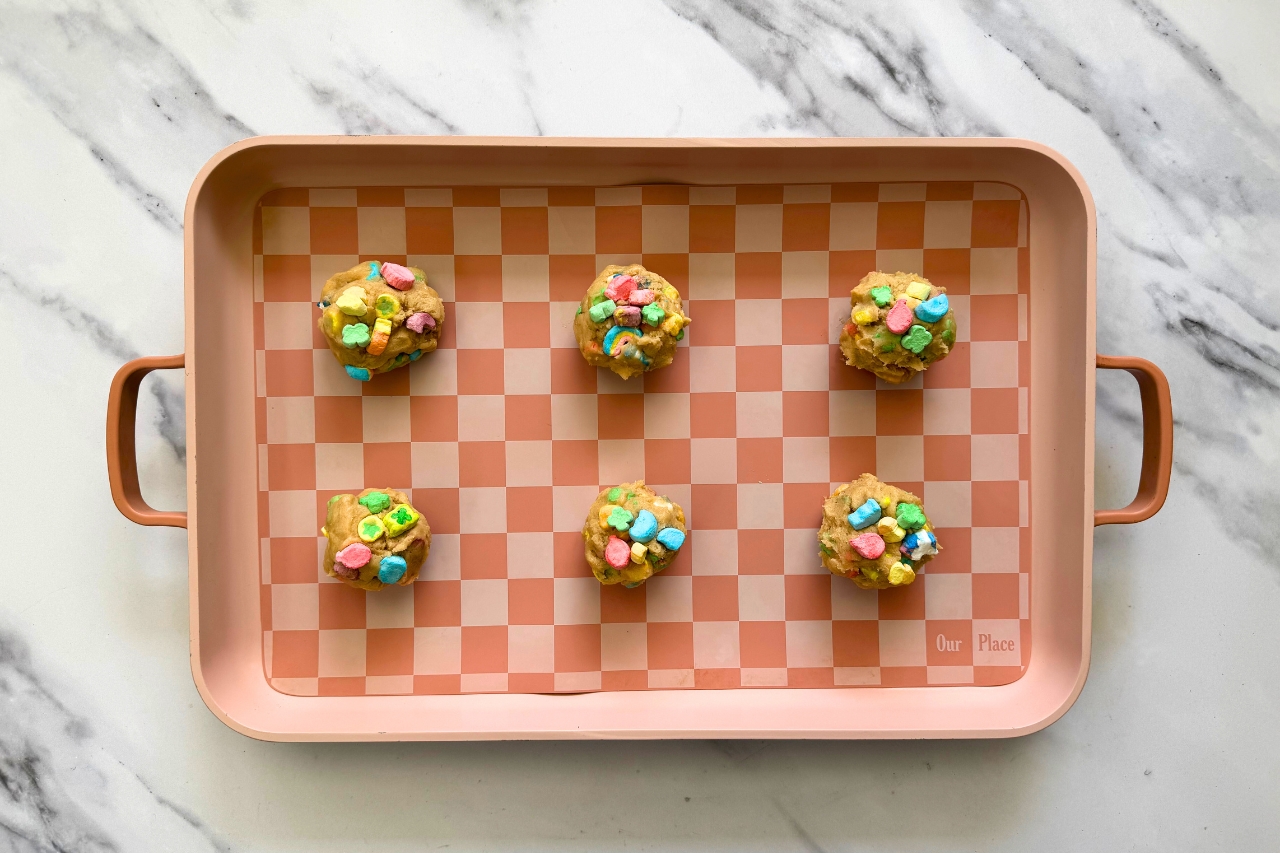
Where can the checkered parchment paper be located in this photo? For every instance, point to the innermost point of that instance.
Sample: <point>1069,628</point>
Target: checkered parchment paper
<point>504,435</point>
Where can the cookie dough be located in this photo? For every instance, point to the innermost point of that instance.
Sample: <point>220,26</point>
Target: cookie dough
<point>379,316</point>
<point>629,321</point>
<point>899,325</point>
<point>632,533</point>
<point>875,534</point>
<point>376,538</point>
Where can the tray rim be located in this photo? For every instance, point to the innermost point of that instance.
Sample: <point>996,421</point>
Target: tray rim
<point>203,187</point>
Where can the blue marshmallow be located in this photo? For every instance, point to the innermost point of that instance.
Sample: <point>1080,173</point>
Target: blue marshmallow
<point>415,355</point>
<point>361,373</point>
<point>374,270</point>
<point>645,527</point>
<point>933,310</point>
<point>671,538</point>
<point>921,544</point>
<point>391,569</point>
<point>865,515</point>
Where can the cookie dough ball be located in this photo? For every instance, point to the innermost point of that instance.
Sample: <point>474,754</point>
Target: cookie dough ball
<point>875,534</point>
<point>900,324</point>
<point>630,321</point>
<point>376,538</point>
<point>632,534</point>
<point>379,316</point>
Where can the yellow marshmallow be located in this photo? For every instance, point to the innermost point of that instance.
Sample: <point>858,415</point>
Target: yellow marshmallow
<point>352,301</point>
<point>900,575</point>
<point>671,293</point>
<point>918,290</point>
<point>912,302</point>
<point>864,318</point>
<point>638,550</point>
<point>889,530</point>
<point>673,324</point>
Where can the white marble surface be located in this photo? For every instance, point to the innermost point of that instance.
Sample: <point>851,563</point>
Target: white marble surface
<point>1172,113</point>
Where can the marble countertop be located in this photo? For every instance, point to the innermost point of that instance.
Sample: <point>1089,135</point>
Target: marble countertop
<point>1171,112</point>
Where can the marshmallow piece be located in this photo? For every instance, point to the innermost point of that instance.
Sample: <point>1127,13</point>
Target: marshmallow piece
<point>920,544</point>
<point>882,296</point>
<point>933,310</point>
<point>671,293</point>
<point>899,319</point>
<point>671,538</point>
<point>381,334</point>
<point>615,494</point>
<point>865,515</point>
<point>386,305</point>
<point>420,322</point>
<point>399,277</point>
<point>373,271</point>
<point>917,339</point>
<point>641,297</point>
<point>864,318</point>
<point>910,516</point>
<point>333,319</point>
<point>392,568</point>
<point>354,556</point>
<point>415,355</point>
<point>653,313</point>
<point>901,574</point>
<point>627,315</point>
<point>361,373</point>
<point>620,287</point>
<point>638,552</point>
<point>355,335</point>
<point>869,545</point>
<point>400,519</point>
<point>918,290</point>
<point>371,528</point>
<point>616,339</point>
<point>674,324</point>
<point>645,527</point>
<point>602,311</point>
<point>889,530</point>
<point>620,519</point>
<point>616,553</point>
<point>375,502</point>
<point>353,301</point>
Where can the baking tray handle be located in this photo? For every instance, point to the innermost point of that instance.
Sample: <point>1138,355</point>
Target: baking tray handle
<point>1157,441</point>
<point>122,458</point>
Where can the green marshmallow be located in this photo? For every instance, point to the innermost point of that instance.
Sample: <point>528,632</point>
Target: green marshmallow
<point>620,519</point>
<point>355,335</point>
<point>652,313</point>
<point>332,499</point>
<point>602,311</point>
<point>614,494</point>
<point>883,296</point>
<point>917,339</point>
<point>910,517</point>
<point>376,502</point>
<point>579,311</point>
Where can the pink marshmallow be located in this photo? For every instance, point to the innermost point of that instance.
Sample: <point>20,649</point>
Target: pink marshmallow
<point>617,553</point>
<point>641,297</point>
<point>354,555</point>
<point>627,315</point>
<point>620,288</point>
<point>401,278</point>
<point>869,545</point>
<point>900,317</point>
<point>420,321</point>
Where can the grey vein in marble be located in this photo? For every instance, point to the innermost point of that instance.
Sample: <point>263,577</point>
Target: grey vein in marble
<point>114,85</point>
<point>171,418</point>
<point>62,789</point>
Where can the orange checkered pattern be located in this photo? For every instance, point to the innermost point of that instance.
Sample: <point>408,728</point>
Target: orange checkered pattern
<point>505,435</point>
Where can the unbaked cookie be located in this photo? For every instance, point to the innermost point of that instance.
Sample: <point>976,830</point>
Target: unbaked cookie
<point>379,316</point>
<point>632,534</point>
<point>899,325</point>
<point>875,534</point>
<point>629,321</point>
<point>376,538</point>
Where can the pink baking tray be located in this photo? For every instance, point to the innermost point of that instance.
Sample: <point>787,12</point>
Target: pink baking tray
<point>279,653</point>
